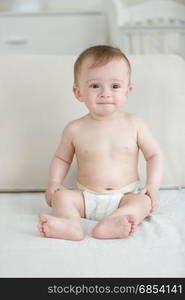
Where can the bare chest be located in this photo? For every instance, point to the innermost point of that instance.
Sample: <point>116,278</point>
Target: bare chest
<point>111,142</point>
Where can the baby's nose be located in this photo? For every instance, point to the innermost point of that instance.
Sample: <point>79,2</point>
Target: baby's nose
<point>105,92</point>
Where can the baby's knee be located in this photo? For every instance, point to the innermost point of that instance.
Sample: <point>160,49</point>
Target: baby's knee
<point>64,194</point>
<point>59,195</point>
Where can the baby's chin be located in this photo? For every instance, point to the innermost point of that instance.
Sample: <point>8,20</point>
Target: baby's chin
<point>106,106</point>
<point>106,109</point>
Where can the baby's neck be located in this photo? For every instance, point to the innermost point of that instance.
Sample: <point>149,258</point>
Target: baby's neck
<point>110,117</point>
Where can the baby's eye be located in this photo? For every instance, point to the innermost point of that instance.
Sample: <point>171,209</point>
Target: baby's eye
<point>94,86</point>
<point>115,86</point>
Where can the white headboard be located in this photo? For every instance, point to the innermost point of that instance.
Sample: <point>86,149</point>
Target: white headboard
<point>148,27</point>
<point>36,101</point>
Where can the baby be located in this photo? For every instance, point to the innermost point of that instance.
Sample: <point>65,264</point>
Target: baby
<point>106,143</point>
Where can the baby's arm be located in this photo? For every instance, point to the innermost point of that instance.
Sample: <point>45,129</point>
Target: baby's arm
<point>154,160</point>
<point>60,163</point>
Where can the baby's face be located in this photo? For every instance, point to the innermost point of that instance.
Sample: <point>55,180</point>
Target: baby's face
<point>103,89</point>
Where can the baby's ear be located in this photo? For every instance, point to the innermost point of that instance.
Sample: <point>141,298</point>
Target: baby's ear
<point>76,91</point>
<point>129,90</point>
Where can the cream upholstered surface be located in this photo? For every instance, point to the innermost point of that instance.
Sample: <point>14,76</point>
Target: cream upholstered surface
<point>159,98</point>
<point>36,101</point>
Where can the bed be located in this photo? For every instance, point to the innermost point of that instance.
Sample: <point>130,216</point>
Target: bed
<point>147,27</point>
<point>36,102</point>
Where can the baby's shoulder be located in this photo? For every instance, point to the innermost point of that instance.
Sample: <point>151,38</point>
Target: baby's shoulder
<point>134,119</point>
<point>136,122</point>
<point>73,126</point>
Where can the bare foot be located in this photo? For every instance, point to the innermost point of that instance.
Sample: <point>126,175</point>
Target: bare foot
<point>52,227</point>
<point>115,227</point>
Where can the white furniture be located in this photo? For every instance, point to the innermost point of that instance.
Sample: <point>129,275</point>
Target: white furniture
<point>156,26</point>
<point>72,5</point>
<point>51,33</point>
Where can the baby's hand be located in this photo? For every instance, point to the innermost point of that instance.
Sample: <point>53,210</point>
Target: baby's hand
<point>152,191</point>
<point>50,192</point>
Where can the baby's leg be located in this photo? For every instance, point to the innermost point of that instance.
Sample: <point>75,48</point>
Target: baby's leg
<point>67,209</point>
<point>132,210</point>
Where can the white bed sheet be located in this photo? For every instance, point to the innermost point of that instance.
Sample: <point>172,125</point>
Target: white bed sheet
<point>156,250</point>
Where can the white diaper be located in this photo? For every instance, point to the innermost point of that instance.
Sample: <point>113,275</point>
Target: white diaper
<point>100,205</point>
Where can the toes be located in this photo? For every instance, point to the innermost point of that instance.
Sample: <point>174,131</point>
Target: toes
<point>43,218</point>
<point>41,229</point>
<point>42,233</point>
<point>133,228</point>
<point>132,231</point>
<point>132,219</point>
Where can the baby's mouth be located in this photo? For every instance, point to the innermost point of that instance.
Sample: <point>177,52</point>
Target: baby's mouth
<point>105,103</point>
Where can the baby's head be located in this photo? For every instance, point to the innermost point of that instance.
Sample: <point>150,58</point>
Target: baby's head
<point>102,79</point>
<point>99,55</point>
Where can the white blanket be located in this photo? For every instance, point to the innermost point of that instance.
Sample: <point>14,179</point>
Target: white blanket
<point>156,250</point>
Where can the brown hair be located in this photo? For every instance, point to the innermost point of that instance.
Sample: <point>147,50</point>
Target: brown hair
<point>102,54</point>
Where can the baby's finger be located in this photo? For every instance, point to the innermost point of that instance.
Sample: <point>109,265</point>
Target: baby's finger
<point>143,191</point>
<point>152,208</point>
<point>155,205</point>
<point>154,199</point>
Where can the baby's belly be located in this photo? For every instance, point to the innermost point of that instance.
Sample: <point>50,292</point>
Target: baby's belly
<point>100,178</point>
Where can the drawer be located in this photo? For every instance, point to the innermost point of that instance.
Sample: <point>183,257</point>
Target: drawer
<point>56,34</point>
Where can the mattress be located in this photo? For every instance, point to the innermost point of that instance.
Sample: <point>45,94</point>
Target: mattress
<point>156,250</point>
